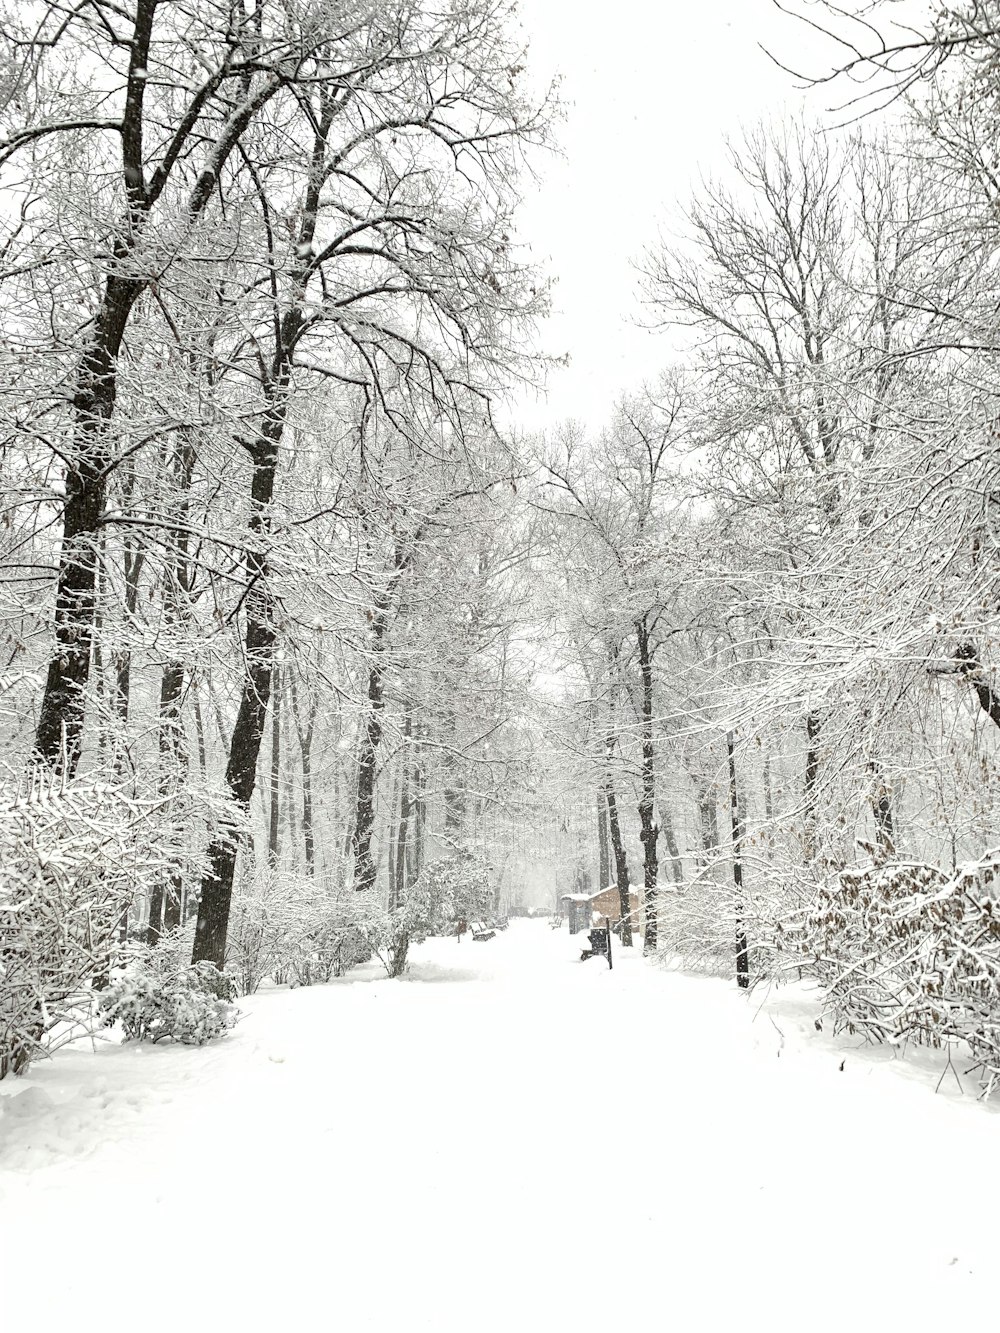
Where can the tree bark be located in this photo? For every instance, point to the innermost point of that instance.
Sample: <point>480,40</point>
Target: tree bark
<point>742,950</point>
<point>305,735</point>
<point>365,869</point>
<point>405,802</point>
<point>59,734</point>
<point>971,668</point>
<point>649,830</point>
<point>885,830</point>
<point>811,779</point>
<point>618,848</point>
<point>603,857</point>
<point>274,821</point>
<point>165,910</point>
<point>669,837</point>
<point>258,642</point>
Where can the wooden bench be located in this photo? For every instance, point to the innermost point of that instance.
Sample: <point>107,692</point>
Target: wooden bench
<point>600,943</point>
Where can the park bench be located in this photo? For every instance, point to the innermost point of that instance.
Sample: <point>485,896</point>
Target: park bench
<point>483,934</point>
<point>600,943</point>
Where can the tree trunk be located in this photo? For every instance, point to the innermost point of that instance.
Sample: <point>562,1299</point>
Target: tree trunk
<point>133,559</point>
<point>454,796</point>
<point>811,778</point>
<point>649,830</point>
<point>365,869</point>
<point>392,837</point>
<point>399,887</point>
<point>305,735</point>
<point>676,861</point>
<point>165,898</point>
<point>971,668</point>
<point>742,950</point>
<point>708,818</point>
<point>603,856</point>
<point>177,586</point>
<point>418,813</point>
<point>59,734</point>
<point>248,732</point>
<point>885,831</point>
<point>199,731</point>
<point>618,848</point>
<point>274,822</point>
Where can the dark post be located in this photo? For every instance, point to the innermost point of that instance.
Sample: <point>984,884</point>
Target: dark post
<point>607,927</point>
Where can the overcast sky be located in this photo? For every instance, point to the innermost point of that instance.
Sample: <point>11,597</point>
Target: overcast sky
<point>652,88</point>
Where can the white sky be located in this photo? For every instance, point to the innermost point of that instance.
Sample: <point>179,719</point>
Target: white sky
<point>652,88</point>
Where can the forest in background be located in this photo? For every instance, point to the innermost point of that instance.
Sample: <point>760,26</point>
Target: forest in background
<point>308,652</point>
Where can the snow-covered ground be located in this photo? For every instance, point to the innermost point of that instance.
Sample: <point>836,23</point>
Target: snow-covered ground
<point>505,1139</point>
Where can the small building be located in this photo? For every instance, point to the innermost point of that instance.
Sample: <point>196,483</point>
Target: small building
<point>587,909</point>
<point>578,911</point>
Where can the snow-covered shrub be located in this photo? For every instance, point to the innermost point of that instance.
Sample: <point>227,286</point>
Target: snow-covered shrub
<point>293,929</point>
<point>72,855</point>
<point>154,996</point>
<point>906,952</point>
<point>697,919</point>
<point>448,890</point>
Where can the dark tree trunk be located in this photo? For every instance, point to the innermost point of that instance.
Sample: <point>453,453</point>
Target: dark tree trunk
<point>708,818</point>
<point>165,899</point>
<point>274,822</point>
<point>371,739</point>
<point>261,633</point>
<point>648,830</point>
<point>885,830</point>
<point>676,862</point>
<point>742,950</point>
<point>391,839</point>
<point>305,735</point>
<point>308,836</point>
<point>418,813</point>
<point>133,559</point>
<point>199,731</point>
<point>154,924</point>
<point>603,851</point>
<point>365,870</point>
<point>811,779</point>
<point>618,848</point>
<point>405,804</point>
<point>59,734</point>
<point>171,740</point>
<point>971,668</point>
<point>248,732</point>
<point>454,796</point>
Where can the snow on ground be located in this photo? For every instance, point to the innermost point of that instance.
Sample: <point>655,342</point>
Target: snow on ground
<point>505,1139</point>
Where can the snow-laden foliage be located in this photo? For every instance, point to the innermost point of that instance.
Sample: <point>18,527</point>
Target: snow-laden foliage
<point>909,953</point>
<point>155,996</point>
<point>72,855</point>
<point>294,929</point>
<point>698,921</point>
<point>447,891</point>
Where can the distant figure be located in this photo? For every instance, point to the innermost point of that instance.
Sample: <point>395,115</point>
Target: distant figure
<point>461,926</point>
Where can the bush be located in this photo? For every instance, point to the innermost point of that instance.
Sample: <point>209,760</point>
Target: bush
<point>72,855</point>
<point>906,952</point>
<point>293,929</point>
<point>451,889</point>
<point>696,920</point>
<point>154,997</point>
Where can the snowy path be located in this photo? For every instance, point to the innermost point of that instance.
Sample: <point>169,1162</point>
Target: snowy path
<point>441,1153</point>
